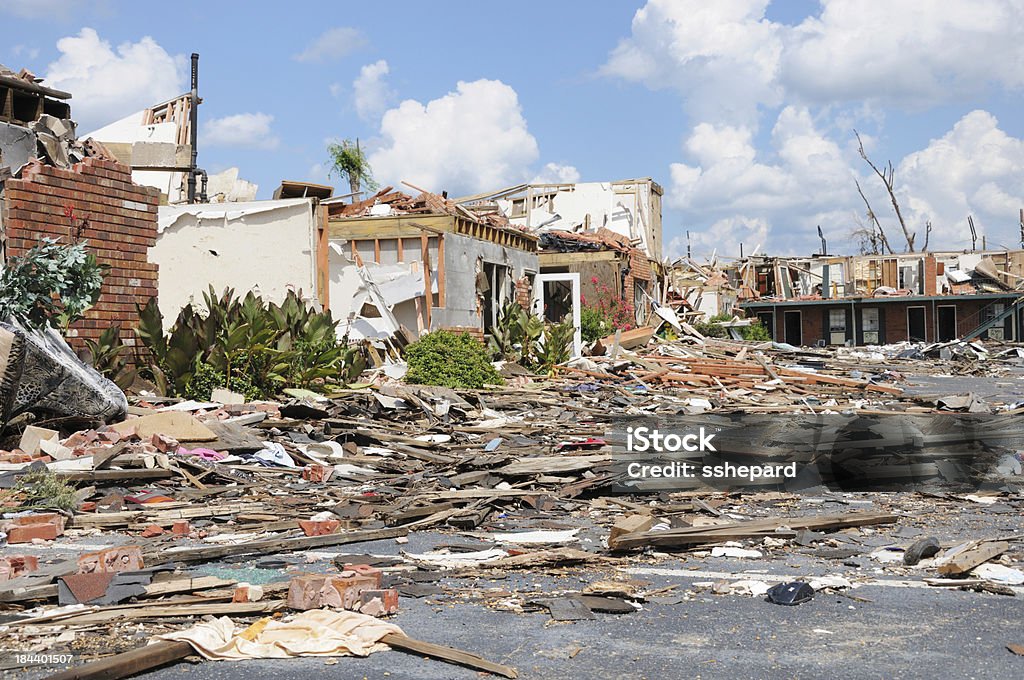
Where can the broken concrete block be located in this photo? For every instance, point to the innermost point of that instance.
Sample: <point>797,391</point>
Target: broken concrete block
<point>121,558</point>
<point>14,566</point>
<point>313,591</point>
<point>246,592</point>
<point>363,570</point>
<point>378,602</point>
<point>33,435</point>
<point>312,527</point>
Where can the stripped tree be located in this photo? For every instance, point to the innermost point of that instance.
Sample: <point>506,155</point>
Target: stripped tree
<point>887,175</point>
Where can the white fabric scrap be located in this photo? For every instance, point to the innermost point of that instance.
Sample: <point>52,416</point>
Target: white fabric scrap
<point>318,632</point>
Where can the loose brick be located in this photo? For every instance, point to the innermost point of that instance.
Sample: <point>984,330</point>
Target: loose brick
<point>121,558</point>
<point>319,527</point>
<point>14,566</point>
<point>313,591</point>
<point>26,533</point>
<point>378,602</point>
<point>364,570</point>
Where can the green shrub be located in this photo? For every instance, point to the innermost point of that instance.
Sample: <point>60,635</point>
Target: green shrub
<point>50,285</point>
<point>756,332</point>
<point>42,490</point>
<point>106,355</point>
<point>450,360</point>
<point>555,346</point>
<point>593,324</point>
<point>712,329</point>
<point>248,345</point>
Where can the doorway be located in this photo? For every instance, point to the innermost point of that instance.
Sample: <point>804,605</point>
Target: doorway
<point>916,324</point>
<point>557,296</point>
<point>793,322</point>
<point>946,323</point>
<point>767,320</point>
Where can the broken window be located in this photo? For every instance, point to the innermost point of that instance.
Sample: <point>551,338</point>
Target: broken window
<point>869,319</point>
<point>837,326</point>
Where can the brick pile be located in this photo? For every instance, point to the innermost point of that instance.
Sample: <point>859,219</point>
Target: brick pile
<point>117,217</point>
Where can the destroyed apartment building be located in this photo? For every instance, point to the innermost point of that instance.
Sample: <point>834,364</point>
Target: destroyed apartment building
<point>607,233</point>
<point>424,263</point>
<point>884,299</point>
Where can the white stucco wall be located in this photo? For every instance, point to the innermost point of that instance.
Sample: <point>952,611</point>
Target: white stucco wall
<point>267,246</point>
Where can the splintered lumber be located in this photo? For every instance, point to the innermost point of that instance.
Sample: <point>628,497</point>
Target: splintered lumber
<point>450,654</point>
<point>164,652</point>
<point>630,524</point>
<point>271,546</point>
<point>685,536</point>
<point>130,663</point>
<point>963,558</point>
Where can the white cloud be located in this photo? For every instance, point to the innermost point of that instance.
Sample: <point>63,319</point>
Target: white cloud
<point>371,91</point>
<point>722,56</point>
<point>806,179</point>
<point>472,139</point>
<point>107,84</point>
<point>911,53</point>
<point>332,44</point>
<point>241,130</point>
<point>974,169</point>
<point>726,58</point>
<point>556,173</point>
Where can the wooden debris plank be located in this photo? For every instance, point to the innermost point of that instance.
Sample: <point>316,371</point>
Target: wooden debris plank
<point>130,663</point>
<point>961,561</point>
<point>450,654</point>
<point>750,529</point>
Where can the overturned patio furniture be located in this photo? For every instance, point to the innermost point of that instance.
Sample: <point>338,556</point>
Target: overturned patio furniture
<point>39,372</point>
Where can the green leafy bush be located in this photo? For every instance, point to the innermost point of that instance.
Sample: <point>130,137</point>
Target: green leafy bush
<point>107,355</point>
<point>555,346</point>
<point>713,329</point>
<point>450,360</point>
<point>247,345</point>
<point>593,324</point>
<point>756,332</point>
<point>51,285</point>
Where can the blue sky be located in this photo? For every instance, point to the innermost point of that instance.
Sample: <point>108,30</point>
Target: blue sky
<point>742,109</point>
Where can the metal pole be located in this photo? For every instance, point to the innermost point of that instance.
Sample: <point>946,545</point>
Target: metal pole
<point>193,122</point>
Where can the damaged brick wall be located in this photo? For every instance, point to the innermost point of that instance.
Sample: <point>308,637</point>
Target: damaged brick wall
<point>116,217</point>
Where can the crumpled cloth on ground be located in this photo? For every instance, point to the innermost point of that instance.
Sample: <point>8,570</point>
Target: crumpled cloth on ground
<point>318,632</point>
<point>205,454</point>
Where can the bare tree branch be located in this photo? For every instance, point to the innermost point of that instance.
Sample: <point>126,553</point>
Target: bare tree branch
<point>874,220</point>
<point>888,179</point>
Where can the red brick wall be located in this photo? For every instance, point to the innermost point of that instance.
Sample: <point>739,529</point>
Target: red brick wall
<point>121,228</point>
<point>893,318</point>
